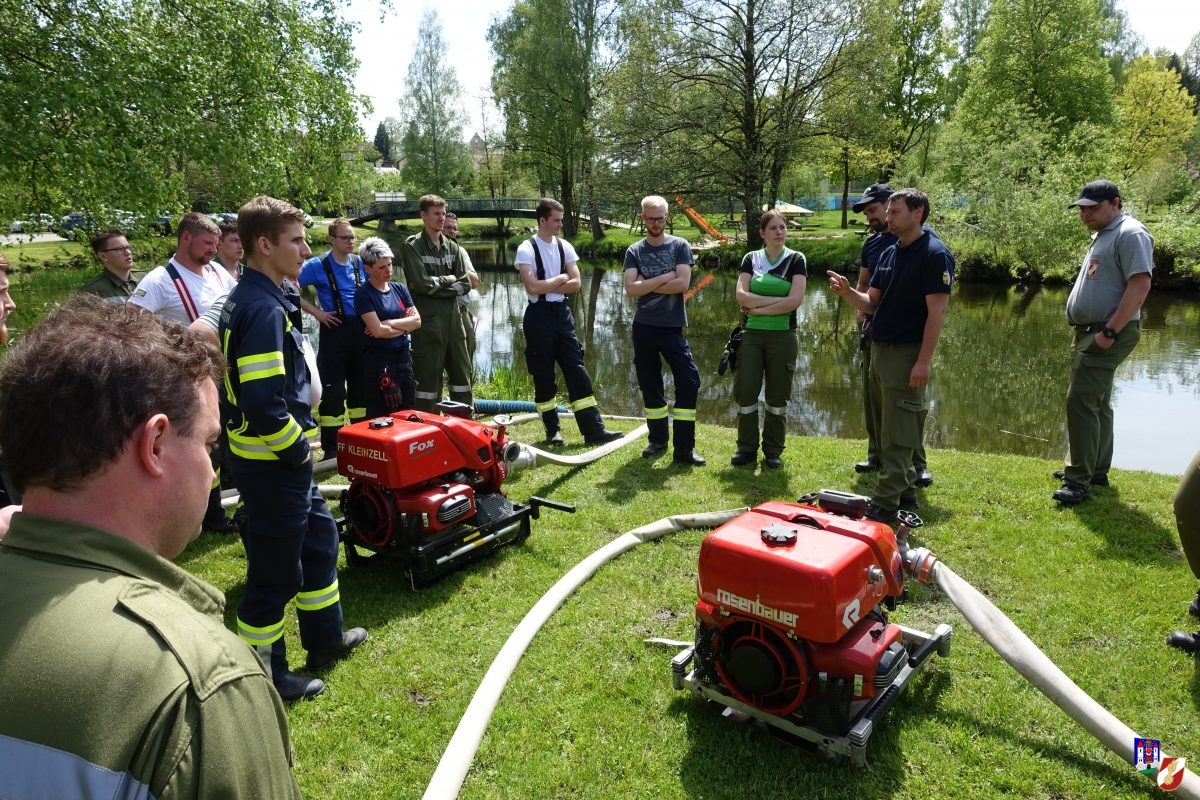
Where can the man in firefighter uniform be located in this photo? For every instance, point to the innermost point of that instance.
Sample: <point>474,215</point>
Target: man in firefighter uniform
<point>437,276</point>
<point>548,268</point>
<point>118,677</point>
<point>336,276</point>
<point>291,539</point>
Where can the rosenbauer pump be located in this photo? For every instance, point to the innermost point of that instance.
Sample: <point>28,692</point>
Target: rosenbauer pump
<point>792,621</point>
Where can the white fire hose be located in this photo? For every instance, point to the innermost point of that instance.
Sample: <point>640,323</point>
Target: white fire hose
<point>996,629</point>
<point>1025,657</point>
<point>456,760</point>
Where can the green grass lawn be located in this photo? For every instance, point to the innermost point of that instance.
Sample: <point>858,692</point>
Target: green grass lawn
<point>590,712</point>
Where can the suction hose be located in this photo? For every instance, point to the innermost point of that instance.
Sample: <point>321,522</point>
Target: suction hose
<point>1025,657</point>
<point>456,760</point>
<point>508,406</point>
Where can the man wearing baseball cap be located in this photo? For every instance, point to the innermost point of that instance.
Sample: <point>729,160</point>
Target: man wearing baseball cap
<point>1104,309</point>
<point>873,206</point>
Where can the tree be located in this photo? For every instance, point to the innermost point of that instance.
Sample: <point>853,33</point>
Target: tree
<point>383,142</point>
<point>551,56</point>
<point>911,77</point>
<point>435,155</point>
<point>1046,56</point>
<point>747,76</point>
<point>1157,118</point>
<point>100,108</point>
<point>967,18</point>
<point>1017,173</point>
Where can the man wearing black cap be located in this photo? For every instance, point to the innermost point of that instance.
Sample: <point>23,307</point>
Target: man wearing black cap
<point>873,206</point>
<point>1104,308</point>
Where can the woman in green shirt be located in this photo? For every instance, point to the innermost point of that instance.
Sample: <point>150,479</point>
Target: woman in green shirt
<point>769,290</point>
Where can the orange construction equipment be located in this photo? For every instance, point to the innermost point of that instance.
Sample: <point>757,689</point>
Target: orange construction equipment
<point>701,222</point>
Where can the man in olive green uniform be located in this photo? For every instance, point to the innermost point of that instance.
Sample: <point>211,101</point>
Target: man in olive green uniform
<point>118,677</point>
<point>908,295</point>
<point>1104,310</point>
<point>437,276</point>
<point>118,280</point>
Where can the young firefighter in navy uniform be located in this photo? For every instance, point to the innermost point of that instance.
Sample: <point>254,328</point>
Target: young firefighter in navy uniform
<point>658,270</point>
<point>291,539</point>
<point>548,269</point>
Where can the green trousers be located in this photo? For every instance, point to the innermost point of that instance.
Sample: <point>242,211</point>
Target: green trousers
<point>1089,404</point>
<point>872,413</point>
<point>1187,514</point>
<point>902,412</point>
<point>766,363</point>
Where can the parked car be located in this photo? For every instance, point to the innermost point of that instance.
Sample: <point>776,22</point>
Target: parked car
<point>74,222</point>
<point>34,223</point>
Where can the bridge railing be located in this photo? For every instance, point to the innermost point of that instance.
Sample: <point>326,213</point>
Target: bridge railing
<point>463,207</point>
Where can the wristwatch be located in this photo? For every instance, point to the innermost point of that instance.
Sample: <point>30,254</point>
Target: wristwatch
<point>1108,333</point>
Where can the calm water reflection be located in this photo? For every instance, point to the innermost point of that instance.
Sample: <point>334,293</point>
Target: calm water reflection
<point>1000,373</point>
<point>999,381</point>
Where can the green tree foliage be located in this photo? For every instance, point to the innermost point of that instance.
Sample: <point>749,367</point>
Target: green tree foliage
<point>911,76</point>
<point>748,75</point>
<point>383,141</point>
<point>966,19</point>
<point>1045,56</point>
<point>435,156</point>
<point>145,105</point>
<point>551,59</point>
<point>1018,174</point>
<point>1157,118</point>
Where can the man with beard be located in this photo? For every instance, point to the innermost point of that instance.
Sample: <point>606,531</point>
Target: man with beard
<point>658,270</point>
<point>873,206</point>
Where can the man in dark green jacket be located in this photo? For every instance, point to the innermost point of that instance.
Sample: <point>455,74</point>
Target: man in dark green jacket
<point>119,676</point>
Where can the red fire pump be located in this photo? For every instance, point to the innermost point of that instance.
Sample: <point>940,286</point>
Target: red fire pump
<point>427,488</point>
<point>792,620</point>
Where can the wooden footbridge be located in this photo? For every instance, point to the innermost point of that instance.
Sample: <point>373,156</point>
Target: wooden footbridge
<point>388,211</point>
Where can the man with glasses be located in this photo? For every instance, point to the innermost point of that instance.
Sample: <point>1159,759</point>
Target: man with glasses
<point>335,276</point>
<point>1104,309</point>
<point>118,280</point>
<point>658,270</point>
<point>437,276</point>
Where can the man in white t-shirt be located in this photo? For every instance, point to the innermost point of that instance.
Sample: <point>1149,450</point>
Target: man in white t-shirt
<point>187,285</point>
<point>182,290</point>
<point>549,270</point>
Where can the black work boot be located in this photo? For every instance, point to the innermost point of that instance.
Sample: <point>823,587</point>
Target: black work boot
<point>290,686</point>
<point>553,434</point>
<point>320,659</point>
<point>592,427</point>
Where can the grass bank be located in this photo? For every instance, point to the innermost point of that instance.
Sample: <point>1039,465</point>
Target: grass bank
<point>590,712</point>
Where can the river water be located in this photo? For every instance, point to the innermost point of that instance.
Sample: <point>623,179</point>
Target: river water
<point>999,378</point>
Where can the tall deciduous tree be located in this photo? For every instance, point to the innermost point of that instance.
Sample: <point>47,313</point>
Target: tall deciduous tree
<point>551,56</point>
<point>1157,120</point>
<point>435,155</point>
<point>145,105</point>
<point>751,73</point>
<point>1046,56</point>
